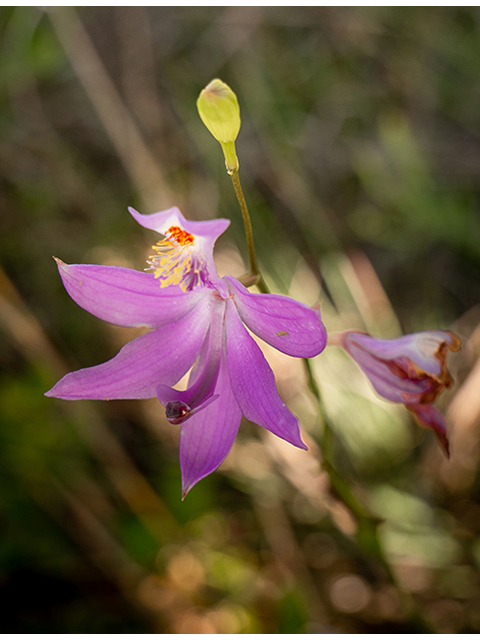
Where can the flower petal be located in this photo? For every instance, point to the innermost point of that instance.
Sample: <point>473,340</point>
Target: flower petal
<point>125,297</point>
<point>428,416</point>
<point>180,405</point>
<point>287,325</point>
<point>160,356</point>
<point>207,437</point>
<point>253,382</point>
<point>163,220</point>
<point>386,382</point>
<point>426,349</point>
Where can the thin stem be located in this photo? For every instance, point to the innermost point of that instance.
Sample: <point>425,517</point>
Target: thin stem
<point>246,220</point>
<point>257,278</point>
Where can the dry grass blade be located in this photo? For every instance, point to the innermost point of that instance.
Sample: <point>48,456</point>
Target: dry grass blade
<point>137,159</point>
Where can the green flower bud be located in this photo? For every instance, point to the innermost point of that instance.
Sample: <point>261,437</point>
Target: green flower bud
<point>219,111</point>
<point>218,108</point>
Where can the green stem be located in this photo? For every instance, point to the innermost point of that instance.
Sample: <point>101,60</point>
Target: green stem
<point>258,280</point>
<point>246,220</point>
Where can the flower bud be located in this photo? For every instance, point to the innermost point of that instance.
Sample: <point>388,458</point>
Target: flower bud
<point>219,111</point>
<point>218,108</point>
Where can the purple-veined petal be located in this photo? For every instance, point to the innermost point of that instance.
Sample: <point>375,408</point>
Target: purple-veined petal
<point>428,416</point>
<point>160,356</point>
<point>253,382</point>
<point>426,349</point>
<point>180,405</point>
<point>207,437</point>
<point>124,296</point>
<point>287,325</point>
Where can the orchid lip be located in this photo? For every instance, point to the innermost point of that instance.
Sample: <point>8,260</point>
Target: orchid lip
<point>179,260</point>
<point>185,256</point>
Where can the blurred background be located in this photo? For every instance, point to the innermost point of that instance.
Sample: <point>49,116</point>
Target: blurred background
<point>360,156</point>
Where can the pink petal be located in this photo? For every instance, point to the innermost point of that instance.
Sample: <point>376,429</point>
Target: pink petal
<point>207,437</point>
<point>253,382</point>
<point>429,416</point>
<point>387,383</point>
<point>160,356</point>
<point>125,297</point>
<point>288,325</point>
<point>202,382</point>
<point>163,220</point>
<point>421,348</point>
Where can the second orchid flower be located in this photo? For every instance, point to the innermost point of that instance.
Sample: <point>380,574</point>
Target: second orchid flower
<point>410,370</point>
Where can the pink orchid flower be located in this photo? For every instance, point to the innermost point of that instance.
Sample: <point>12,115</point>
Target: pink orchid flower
<point>199,320</point>
<point>410,370</point>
